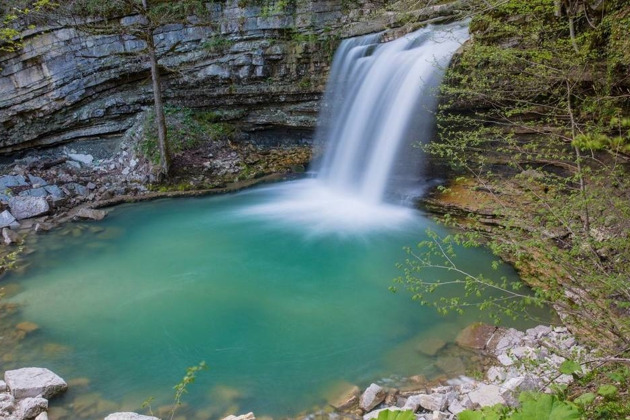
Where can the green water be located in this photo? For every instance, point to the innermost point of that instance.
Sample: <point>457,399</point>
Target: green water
<point>279,314</point>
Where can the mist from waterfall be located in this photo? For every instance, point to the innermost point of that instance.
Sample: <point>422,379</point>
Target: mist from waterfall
<point>380,98</point>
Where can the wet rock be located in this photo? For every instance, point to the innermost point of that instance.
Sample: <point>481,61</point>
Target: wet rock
<point>6,219</point>
<point>29,408</point>
<point>129,416</point>
<point>34,382</point>
<point>10,237</point>
<point>476,336</point>
<point>373,396</point>
<point>27,207</point>
<point>91,214</point>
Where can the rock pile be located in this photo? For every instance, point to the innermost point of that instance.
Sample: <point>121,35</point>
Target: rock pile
<point>526,361</point>
<point>24,393</point>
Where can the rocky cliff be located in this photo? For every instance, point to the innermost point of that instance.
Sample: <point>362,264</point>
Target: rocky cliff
<point>261,66</point>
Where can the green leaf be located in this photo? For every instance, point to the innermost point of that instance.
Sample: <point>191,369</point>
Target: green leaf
<point>539,406</point>
<point>607,391</point>
<point>395,415</point>
<point>569,367</point>
<point>585,399</point>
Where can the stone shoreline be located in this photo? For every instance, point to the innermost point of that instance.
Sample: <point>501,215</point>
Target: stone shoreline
<point>524,361</point>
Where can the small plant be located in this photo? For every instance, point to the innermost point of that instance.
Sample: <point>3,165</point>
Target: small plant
<point>180,389</point>
<point>396,415</point>
<point>217,44</point>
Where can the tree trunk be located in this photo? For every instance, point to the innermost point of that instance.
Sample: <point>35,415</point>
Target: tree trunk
<point>160,120</point>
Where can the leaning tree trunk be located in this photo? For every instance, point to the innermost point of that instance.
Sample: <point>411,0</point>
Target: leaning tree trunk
<point>160,120</point>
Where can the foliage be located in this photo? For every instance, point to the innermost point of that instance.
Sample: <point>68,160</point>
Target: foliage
<point>180,388</point>
<point>187,129</point>
<point>534,406</point>
<point>217,44</point>
<point>547,140</point>
<point>12,21</point>
<point>396,415</point>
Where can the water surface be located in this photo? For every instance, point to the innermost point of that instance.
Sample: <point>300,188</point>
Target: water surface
<point>282,309</point>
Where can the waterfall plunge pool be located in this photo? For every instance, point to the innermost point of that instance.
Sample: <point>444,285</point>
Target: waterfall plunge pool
<point>283,310</point>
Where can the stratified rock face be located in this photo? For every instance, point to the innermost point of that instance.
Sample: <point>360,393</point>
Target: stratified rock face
<point>262,68</point>
<point>67,85</point>
<point>34,382</point>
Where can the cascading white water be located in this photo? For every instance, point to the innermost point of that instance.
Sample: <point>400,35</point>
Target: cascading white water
<point>374,94</point>
<point>379,98</point>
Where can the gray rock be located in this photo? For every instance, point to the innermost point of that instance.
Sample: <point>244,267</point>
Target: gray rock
<point>248,416</point>
<point>7,405</point>
<point>54,191</point>
<point>34,382</point>
<point>32,407</point>
<point>9,237</point>
<point>373,396</point>
<point>6,219</point>
<point>27,207</point>
<point>129,416</point>
<point>37,181</point>
<point>495,373</point>
<point>84,159</point>
<point>539,331</point>
<point>3,386</point>
<point>77,188</point>
<point>4,198</point>
<point>91,214</point>
<point>456,407</point>
<point>34,192</point>
<point>433,402</point>
<point>42,416</point>
<point>7,181</point>
<point>486,395</point>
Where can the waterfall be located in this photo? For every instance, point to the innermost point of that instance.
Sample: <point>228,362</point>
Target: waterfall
<point>376,95</point>
<point>380,98</point>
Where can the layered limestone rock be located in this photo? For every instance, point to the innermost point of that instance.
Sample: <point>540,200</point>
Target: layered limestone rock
<point>260,67</point>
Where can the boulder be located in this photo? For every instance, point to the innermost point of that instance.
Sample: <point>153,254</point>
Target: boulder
<point>6,219</point>
<point>29,408</point>
<point>8,181</point>
<point>433,402</point>
<point>7,405</point>
<point>129,416</point>
<point>34,382</point>
<point>3,386</point>
<point>475,336</point>
<point>42,416</point>
<point>346,399</point>
<point>373,396</point>
<point>91,214</point>
<point>27,207</point>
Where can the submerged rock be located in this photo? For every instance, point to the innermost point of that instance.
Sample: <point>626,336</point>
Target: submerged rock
<point>34,382</point>
<point>9,237</point>
<point>476,336</point>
